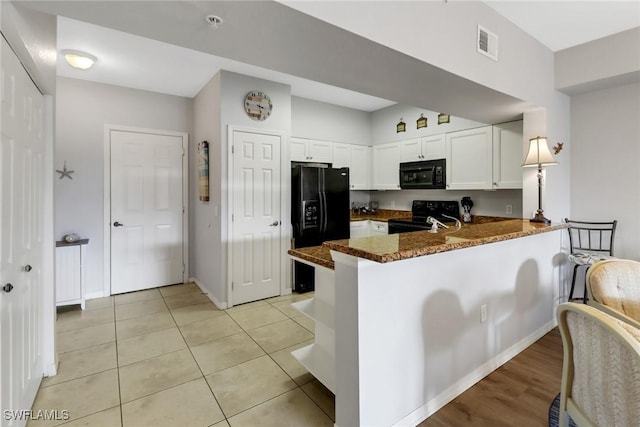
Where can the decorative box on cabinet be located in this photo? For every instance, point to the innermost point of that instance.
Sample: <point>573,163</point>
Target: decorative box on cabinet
<point>70,272</point>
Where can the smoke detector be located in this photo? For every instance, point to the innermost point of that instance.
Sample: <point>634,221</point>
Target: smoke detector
<point>214,20</point>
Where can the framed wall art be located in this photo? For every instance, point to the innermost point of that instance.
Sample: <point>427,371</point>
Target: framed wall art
<point>203,171</point>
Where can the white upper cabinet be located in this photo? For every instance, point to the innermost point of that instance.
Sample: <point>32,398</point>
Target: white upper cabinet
<point>433,147</point>
<point>386,166</point>
<point>507,155</point>
<point>298,150</point>
<point>358,159</point>
<point>470,159</point>
<point>360,172</point>
<point>425,148</point>
<point>410,150</point>
<point>309,150</point>
<point>341,155</point>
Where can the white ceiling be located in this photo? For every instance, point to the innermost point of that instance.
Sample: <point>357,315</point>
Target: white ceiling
<point>563,24</point>
<point>133,61</point>
<point>137,62</point>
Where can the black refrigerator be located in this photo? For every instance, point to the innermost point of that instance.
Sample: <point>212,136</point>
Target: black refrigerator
<point>319,212</point>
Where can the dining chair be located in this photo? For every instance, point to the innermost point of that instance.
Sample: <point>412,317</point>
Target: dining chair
<point>589,242</point>
<point>606,390</point>
<point>613,286</point>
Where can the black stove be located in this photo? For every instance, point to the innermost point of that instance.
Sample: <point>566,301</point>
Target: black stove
<point>420,210</point>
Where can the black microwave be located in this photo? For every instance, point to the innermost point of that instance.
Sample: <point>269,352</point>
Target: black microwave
<point>427,174</point>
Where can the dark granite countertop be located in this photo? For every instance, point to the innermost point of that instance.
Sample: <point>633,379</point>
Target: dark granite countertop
<point>380,215</point>
<point>395,247</point>
<point>318,255</point>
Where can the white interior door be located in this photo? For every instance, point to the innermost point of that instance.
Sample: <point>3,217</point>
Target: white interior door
<point>146,211</point>
<point>21,248</point>
<point>256,217</point>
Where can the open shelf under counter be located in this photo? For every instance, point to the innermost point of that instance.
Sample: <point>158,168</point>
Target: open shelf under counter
<point>317,310</point>
<point>320,363</point>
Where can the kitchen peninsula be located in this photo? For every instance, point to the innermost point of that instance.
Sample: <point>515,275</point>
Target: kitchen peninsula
<point>421,317</point>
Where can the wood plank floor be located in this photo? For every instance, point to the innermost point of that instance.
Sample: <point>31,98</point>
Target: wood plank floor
<point>517,394</point>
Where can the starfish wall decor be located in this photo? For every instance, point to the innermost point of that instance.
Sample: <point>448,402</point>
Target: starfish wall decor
<point>64,172</point>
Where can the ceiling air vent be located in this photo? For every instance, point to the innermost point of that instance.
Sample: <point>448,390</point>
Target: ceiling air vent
<point>487,43</point>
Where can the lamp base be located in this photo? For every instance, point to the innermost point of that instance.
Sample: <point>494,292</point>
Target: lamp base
<point>539,217</point>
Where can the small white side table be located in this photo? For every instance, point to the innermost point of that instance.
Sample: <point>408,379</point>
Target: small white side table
<point>70,277</point>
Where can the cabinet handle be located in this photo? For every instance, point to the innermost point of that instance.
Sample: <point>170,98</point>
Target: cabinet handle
<point>495,184</point>
<point>7,288</point>
<point>27,268</point>
<point>117,224</point>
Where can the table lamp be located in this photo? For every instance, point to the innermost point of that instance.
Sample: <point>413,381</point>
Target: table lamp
<point>539,155</point>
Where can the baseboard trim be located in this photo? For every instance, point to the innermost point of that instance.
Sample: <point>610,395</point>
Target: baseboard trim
<point>94,295</point>
<point>51,370</point>
<point>219,304</point>
<point>432,406</point>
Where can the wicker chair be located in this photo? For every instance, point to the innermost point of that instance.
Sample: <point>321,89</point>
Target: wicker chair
<point>613,286</point>
<point>606,391</point>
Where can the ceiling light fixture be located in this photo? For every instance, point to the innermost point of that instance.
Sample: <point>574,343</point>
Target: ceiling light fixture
<point>214,21</point>
<point>78,59</point>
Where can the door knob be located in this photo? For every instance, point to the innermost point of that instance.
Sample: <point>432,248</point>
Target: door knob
<point>274,224</point>
<point>117,224</point>
<point>7,288</point>
<point>27,268</point>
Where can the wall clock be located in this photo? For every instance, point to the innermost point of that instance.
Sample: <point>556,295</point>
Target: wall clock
<point>258,105</point>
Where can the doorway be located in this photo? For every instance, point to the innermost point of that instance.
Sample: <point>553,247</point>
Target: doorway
<point>257,206</point>
<point>23,246</point>
<point>146,198</point>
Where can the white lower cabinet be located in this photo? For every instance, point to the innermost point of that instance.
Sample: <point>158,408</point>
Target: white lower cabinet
<point>368,228</point>
<point>70,272</point>
<point>319,357</point>
<point>378,228</point>
<point>359,229</point>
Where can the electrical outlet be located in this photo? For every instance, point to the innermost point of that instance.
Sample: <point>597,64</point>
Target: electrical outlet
<point>509,209</point>
<point>393,203</point>
<point>483,313</point>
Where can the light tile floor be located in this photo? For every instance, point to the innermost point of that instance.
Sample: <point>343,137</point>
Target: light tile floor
<point>169,357</point>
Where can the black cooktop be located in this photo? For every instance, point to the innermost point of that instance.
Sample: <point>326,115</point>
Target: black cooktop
<point>420,210</point>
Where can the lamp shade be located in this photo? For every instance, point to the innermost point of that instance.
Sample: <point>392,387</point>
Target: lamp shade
<point>539,154</point>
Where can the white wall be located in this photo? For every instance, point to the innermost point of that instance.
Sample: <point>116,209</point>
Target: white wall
<point>609,61</point>
<point>384,121</point>
<point>605,177</point>
<point>218,105</point>
<point>443,34</point>
<point>83,108</point>
<point>206,249</point>
<point>318,120</point>
<point>488,203</point>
